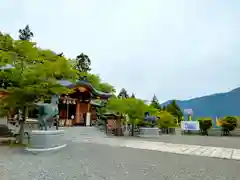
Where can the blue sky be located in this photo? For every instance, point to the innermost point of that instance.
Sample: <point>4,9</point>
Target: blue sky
<point>173,48</point>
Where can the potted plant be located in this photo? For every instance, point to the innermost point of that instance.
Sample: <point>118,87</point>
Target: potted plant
<point>205,124</point>
<point>228,124</point>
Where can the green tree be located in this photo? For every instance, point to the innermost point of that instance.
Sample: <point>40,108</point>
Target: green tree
<point>153,111</point>
<point>33,76</point>
<point>132,107</point>
<point>82,64</point>
<point>94,79</point>
<point>107,88</point>
<point>166,120</point>
<point>6,44</point>
<point>25,34</point>
<point>96,82</point>
<point>155,103</point>
<point>174,109</point>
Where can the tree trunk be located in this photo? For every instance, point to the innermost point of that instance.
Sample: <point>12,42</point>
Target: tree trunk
<point>132,130</point>
<point>22,122</point>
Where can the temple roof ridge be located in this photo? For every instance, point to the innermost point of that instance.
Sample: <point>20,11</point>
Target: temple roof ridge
<point>85,83</point>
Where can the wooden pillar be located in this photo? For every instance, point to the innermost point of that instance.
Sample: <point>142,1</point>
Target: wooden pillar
<point>77,113</point>
<point>66,119</point>
<point>67,110</point>
<point>89,107</point>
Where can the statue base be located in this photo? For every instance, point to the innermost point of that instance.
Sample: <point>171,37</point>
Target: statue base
<point>148,132</point>
<point>41,141</point>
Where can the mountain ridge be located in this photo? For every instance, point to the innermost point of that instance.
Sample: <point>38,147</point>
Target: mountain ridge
<point>214,105</point>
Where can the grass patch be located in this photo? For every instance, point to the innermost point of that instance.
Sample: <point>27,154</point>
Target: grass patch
<point>12,143</point>
<point>15,145</point>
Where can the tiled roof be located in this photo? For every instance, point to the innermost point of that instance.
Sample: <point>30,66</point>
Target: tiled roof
<point>86,84</point>
<point>64,82</point>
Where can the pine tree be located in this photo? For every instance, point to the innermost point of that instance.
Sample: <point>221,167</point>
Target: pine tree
<point>133,95</point>
<point>123,93</point>
<point>25,34</point>
<point>175,110</point>
<point>155,103</point>
<point>83,64</point>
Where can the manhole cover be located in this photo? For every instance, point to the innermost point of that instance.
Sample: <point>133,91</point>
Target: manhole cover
<point>4,174</point>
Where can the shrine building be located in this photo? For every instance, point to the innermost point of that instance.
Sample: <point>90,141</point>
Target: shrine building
<point>79,107</point>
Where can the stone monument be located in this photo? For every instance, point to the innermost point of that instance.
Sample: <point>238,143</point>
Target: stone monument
<point>47,138</point>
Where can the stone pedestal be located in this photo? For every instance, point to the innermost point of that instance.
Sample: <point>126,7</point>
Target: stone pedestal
<point>46,140</point>
<point>3,120</point>
<point>148,132</point>
<point>178,131</point>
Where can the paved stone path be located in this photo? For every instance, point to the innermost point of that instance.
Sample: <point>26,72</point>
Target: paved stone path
<point>220,141</point>
<point>208,151</point>
<point>90,135</point>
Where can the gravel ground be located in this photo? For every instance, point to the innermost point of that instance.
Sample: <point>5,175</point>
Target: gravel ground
<point>227,142</point>
<point>85,161</point>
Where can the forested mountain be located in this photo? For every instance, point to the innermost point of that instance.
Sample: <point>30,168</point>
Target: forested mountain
<point>215,105</point>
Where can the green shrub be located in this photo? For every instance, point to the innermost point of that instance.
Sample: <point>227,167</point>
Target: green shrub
<point>166,120</point>
<point>228,124</point>
<point>205,124</point>
<point>238,121</point>
<point>142,123</point>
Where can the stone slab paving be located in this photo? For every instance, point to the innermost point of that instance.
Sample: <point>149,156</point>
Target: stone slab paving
<point>219,141</point>
<point>92,135</point>
<point>208,151</point>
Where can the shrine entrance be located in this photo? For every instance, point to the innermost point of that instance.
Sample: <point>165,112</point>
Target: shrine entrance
<point>77,109</point>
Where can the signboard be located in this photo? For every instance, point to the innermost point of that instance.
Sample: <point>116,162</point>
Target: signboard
<point>188,111</point>
<point>190,125</point>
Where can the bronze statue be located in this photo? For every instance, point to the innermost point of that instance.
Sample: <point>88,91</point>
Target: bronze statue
<point>48,114</point>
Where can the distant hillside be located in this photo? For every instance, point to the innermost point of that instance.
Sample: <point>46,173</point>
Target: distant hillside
<point>222,104</point>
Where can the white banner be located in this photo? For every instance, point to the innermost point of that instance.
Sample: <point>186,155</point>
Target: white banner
<point>190,125</point>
